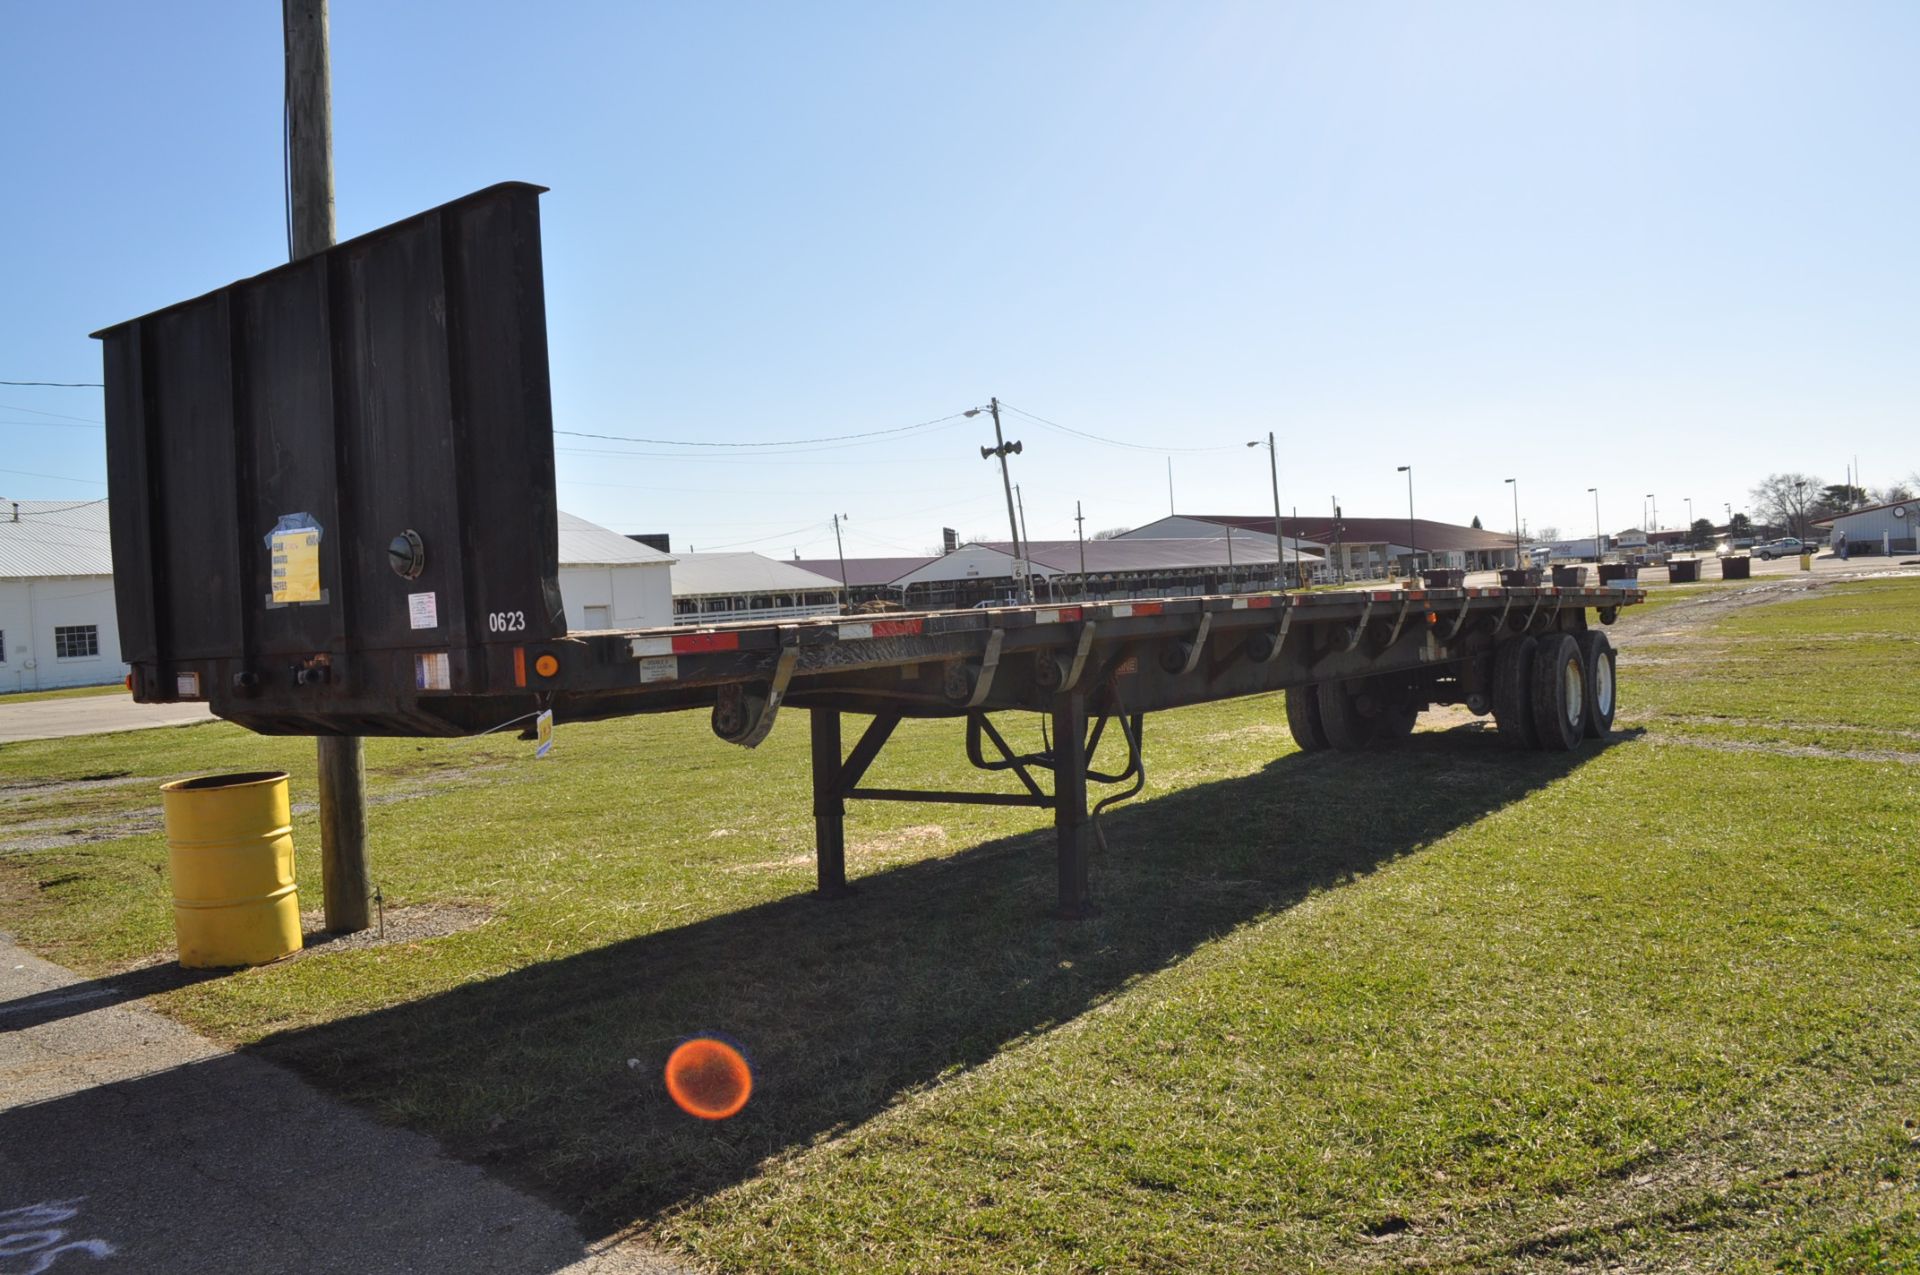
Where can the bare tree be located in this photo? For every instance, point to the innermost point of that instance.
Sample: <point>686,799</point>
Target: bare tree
<point>1787,500</point>
<point>1547,534</point>
<point>1896,492</point>
<point>1111,533</point>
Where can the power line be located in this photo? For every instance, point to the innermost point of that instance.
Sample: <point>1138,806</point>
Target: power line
<point>1111,442</point>
<point>787,442</point>
<point>59,478</point>
<point>61,385</point>
<point>34,411</point>
<point>42,513</point>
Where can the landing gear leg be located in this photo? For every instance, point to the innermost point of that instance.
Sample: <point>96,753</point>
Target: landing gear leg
<point>1072,830</point>
<point>829,806</point>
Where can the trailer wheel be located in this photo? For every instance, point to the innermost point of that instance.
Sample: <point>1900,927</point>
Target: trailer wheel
<point>1303,718</point>
<point>1559,694</point>
<point>1597,654</point>
<point>1512,694</point>
<point>1346,728</point>
<point>1395,724</point>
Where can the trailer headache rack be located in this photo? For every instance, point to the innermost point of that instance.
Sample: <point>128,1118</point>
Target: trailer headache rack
<point>333,512</point>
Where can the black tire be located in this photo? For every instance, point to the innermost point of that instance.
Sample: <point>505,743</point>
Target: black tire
<point>1303,718</point>
<point>1512,693</point>
<point>1602,683</point>
<point>1340,717</point>
<point>1559,694</point>
<point>1394,725</point>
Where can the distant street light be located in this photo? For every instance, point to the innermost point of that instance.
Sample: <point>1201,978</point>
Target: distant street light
<point>1413,549</point>
<point>1279,541</point>
<point>1599,541</point>
<point>1515,484</point>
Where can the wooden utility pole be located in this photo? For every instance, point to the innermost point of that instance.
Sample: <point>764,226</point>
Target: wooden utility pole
<point>346,881</point>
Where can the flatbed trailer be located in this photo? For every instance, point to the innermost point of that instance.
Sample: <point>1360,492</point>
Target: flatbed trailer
<point>333,512</point>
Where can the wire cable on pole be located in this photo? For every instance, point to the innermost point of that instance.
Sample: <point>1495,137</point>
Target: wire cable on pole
<point>785,442</point>
<point>34,411</point>
<point>1112,442</point>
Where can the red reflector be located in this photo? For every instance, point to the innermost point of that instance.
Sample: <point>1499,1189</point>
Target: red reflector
<point>1148,608</point>
<point>519,666</point>
<point>690,642</point>
<point>1069,614</point>
<point>897,628</point>
<point>1260,601</point>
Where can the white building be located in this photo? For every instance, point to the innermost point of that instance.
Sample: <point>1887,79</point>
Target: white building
<point>57,625</point>
<point>715,588</point>
<point>610,582</point>
<point>1887,528</point>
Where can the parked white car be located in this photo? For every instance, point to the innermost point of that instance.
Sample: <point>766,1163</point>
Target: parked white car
<point>1784,547</point>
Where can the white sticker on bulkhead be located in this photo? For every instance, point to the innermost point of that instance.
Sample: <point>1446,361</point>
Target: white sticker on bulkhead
<point>423,610</point>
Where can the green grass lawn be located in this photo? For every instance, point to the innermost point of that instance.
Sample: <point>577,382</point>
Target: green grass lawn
<point>1451,1008</point>
<point>67,692</point>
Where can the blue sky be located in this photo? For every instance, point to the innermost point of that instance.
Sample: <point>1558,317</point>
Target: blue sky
<point>1650,247</point>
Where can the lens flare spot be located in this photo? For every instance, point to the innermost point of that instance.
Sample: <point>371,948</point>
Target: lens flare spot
<point>709,1078</point>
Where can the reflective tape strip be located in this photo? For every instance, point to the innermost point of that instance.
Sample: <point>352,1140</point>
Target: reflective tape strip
<point>691,642</point>
<point>854,632</point>
<point>1239,604</point>
<point>643,648</point>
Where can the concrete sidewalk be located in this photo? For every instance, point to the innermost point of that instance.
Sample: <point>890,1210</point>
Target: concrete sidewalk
<point>90,715</point>
<point>128,1143</point>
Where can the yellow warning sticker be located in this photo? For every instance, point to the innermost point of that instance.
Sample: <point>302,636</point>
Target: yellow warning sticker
<point>296,565</point>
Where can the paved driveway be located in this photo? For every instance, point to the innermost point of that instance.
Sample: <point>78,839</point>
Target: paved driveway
<point>90,715</point>
<point>130,1144</point>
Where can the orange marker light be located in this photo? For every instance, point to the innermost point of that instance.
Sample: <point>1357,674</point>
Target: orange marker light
<point>709,1078</point>
<point>546,665</point>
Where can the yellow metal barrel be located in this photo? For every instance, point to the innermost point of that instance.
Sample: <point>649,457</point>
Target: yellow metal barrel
<point>230,852</point>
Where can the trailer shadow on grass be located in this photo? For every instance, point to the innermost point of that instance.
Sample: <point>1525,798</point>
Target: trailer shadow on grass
<point>551,1075</point>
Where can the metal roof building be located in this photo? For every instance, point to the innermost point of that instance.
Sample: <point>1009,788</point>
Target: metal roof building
<point>1887,528</point>
<point>57,623</point>
<point>610,582</point>
<point>709,588</point>
<point>40,538</point>
<point>1364,548</point>
<point>584,543</point>
<point>863,573</point>
<point>1120,568</point>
